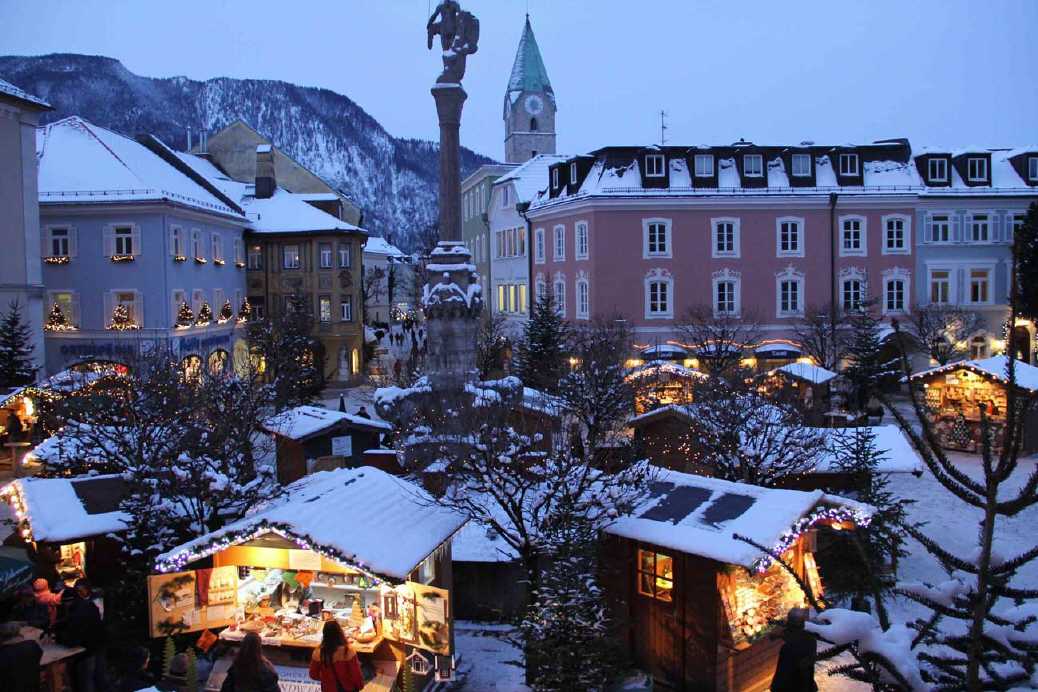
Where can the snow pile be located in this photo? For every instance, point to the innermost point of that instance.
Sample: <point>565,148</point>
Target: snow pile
<point>839,626</point>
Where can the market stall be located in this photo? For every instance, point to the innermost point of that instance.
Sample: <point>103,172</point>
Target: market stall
<point>804,383</point>
<point>356,545</point>
<point>955,392</point>
<point>701,603</point>
<point>660,383</point>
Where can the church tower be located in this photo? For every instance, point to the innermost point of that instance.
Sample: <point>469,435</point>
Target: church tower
<point>529,110</point>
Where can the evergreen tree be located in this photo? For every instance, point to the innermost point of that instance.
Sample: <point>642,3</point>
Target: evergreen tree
<point>1026,249</point>
<point>185,318</point>
<point>16,366</point>
<point>540,360</point>
<point>867,367</point>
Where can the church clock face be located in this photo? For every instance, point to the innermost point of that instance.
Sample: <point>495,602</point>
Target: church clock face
<point>534,104</point>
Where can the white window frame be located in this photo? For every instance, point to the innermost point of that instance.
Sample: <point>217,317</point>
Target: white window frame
<point>583,298</point>
<point>947,223</point>
<point>906,234</point>
<point>797,277</point>
<point>136,307</point>
<point>1032,168</point>
<point>1014,220</point>
<point>707,171</point>
<point>284,257</point>
<point>345,308</point>
<point>905,277</point>
<point>655,166</point>
<point>129,236</point>
<point>967,298</point>
<point>793,165</point>
<point>664,278</point>
<point>538,246</point>
<point>178,242</point>
<point>981,173</point>
<point>971,221</point>
<point>862,251</point>
<point>932,175</point>
<point>239,250</point>
<point>747,169</point>
<point>558,249</point>
<point>668,238</point>
<point>555,178</point>
<point>216,241</point>
<point>581,241</point>
<point>69,243</point>
<point>852,169</point>
<point>950,270</point>
<point>558,290</point>
<point>731,277</point>
<point>573,173</point>
<point>856,275</point>
<point>505,196</point>
<point>735,250</point>
<point>249,255</point>
<point>321,256</point>
<point>799,251</point>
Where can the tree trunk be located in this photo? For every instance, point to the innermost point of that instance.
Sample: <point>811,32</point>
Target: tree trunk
<point>532,566</point>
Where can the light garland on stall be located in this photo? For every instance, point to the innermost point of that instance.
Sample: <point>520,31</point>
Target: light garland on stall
<point>13,496</point>
<point>834,515</point>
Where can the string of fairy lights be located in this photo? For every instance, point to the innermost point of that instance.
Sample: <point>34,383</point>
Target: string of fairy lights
<point>834,516</point>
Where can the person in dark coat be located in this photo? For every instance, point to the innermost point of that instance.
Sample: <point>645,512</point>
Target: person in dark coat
<point>82,626</point>
<point>795,670</point>
<point>19,660</point>
<point>137,676</point>
<point>251,671</point>
<point>30,611</point>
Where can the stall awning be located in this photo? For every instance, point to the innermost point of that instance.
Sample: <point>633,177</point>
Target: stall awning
<point>697,515</point>
<point>671,351</point>
<point>777,350</point>
<point>362,517</point>
<point>994,368</point>
<point>58,510</point>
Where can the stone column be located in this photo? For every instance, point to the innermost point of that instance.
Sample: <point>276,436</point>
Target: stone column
<point>450,98</point>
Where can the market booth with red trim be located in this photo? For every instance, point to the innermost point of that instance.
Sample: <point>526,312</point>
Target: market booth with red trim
<point>699,602</point>
<point>356,545</point>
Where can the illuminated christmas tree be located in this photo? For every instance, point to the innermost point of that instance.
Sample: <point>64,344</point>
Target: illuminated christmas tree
<point>56,320</point>
<point>205,315</point>
<point>185,318</point>
<point>122,320</point>
<point>226,312</point>
<point>244,311</point>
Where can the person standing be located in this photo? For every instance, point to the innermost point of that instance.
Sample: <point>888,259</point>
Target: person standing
<point>19,660</point>
<point>251,671</point>
<point>335,663</point>
<point>137,676</point>
<point>84,627</point>
<point>45,597</point>
<point>795,670</point>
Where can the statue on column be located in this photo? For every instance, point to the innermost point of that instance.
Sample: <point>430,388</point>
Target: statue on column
<point>459,35</point>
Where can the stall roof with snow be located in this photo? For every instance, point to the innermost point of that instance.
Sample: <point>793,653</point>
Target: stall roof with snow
<point>701,516</point>
<point>58,510</point>
<point>805,371</point>
<point>361,517</point>
<point>994,368</point>
<point>303,422</point>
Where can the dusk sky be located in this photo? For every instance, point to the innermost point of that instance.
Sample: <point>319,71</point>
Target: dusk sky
<point>944,72</point>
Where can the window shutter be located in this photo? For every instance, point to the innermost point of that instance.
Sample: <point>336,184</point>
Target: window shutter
<point>73,241</point>
<point>928,228</point>
<point>172,242</point>
<point>138,308</point>
<point>136,240</point>
<point>108,246</point>
<point>109,305</point>
<point>74,317</point>
<point>958,233</point>
<point>998,227</point>
<point>45,242</point>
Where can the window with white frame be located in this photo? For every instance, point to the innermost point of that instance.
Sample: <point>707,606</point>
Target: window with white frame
<point>753,165</point>
<point>506,196</point>
<point>849,164</point>
<point>852,292</point>
<point>980,286</point>
<point>1032,168</point>
<point>324,309</point>
<point>196,243</point>
<point>659,299</point>
<point>852,236</point>
<point>583,299</point>
<point>895,234</point>
<point>979,347</point>
<point>255,257</point>
<point>176,242</point>
<point>540,288</point>
<point>789,241</point>
<point>789,289</point>
<point>59,241</point>
<point>704,165</point>
<point>655,165</point>
<point>937,170</point>
<point>940,228</point>
<point>555,178</point>
<point>344,256</point>
<point>502,297</point>
<point>895,292</point>
<point>656,238</point>
<point>559,291</point>
<point>346,309</point>
<point>324,250</point>
<point>522,298</point>
<point>68,303</point>
<point>124,237</point>
<point>573,174</point>
<point>217,243</point>
<point>977,169</point>
<point>131,301</point>
<point>726,292</point>
<point>538,245</point>
<point>940,286</point>
<point>801,165</point>
<point>580,231</point>
<point>239,250</point>
<point>559,249</point>
<point>980,228</point>
<point>291,257</point>
<point>725,237</point>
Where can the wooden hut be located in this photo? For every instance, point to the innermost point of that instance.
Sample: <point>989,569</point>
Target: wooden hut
<point>310,438</point>
<point>662,383</point>
<point>698,603</point>
<point>803,383</point>
<point>955,392</point>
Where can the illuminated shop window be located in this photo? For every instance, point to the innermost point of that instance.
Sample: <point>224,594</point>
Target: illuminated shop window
<point>656,575</point>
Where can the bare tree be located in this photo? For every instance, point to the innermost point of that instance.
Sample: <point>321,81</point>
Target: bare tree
<point>718,339</point>
<point>942,331</point>
<point>820,337</point>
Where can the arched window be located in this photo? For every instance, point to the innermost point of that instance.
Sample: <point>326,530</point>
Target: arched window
<point>533,124</point>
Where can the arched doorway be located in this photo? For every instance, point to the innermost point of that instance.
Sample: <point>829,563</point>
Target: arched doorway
<point>218,362</point>
<point>1022,343</point>
<point>191,367</point>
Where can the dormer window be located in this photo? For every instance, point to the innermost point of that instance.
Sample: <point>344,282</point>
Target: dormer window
<point>849,164</point>
<point>801,165</point>
<point>555,178</point>
<point>753,165</point>
<point>1032,169</point>
<point>654,165</point>
<point>704,166</point>
<point>977,169</point>
<point>573,174</point>
<point>937,170</point>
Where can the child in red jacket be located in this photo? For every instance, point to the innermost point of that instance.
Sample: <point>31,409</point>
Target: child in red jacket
<point>335,663</point>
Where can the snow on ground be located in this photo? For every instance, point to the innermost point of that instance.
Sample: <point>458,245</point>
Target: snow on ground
<point>487,659</point>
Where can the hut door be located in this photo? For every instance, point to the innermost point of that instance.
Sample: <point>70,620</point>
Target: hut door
<point>657,635</point>
<point>1022,343</point>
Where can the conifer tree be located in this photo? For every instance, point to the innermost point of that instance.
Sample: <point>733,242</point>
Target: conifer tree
<point>1026,249</point>
<point>867,367</point>
<point>16,366</point>
<point>540,360</point>
<point>185,318</point>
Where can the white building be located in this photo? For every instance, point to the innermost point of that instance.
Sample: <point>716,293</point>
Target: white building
<point>387,279</point>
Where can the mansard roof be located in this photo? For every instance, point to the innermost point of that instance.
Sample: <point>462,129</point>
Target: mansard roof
<point>528,71</point>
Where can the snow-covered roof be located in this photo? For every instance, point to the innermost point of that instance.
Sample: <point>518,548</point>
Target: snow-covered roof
<point>994,367</point>
<point>377,245</point>
<point>531,177</point>
<point>363,516</point>
<point>302,422</point>
<point>657,367</point>
<point>80,162</point>
<point>697,515</point>
<point>677,410</point>
<point>8,89</point>
<point>899,456</point>
<point>807,371</point>
<point>64,509</point>
<point>537,400</point>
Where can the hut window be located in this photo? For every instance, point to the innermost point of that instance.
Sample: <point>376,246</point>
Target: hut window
<point>656,575</point>
<point>978,347</point>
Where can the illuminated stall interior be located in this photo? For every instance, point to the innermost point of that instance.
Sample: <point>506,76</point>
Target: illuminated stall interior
<point>701,603</point>
<point>355,545</point>
<point>662,383</point>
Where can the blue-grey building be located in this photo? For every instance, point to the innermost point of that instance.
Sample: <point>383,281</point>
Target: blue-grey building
<point>971,202</point>
<point>126,241</point>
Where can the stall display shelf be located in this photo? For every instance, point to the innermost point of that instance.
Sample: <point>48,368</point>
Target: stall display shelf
<point>343,587</point>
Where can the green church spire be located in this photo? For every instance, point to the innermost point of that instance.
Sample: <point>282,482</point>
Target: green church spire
<point>528,71</point>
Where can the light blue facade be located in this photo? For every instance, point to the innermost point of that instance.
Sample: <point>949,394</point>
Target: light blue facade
<point>162,272</point>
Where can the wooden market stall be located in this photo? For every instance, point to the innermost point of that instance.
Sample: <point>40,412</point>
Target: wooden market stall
<point>803,383</point>
<point>954,393</point>
<point>662,383</point>
<point>356,545</point>
<point>699,604</point>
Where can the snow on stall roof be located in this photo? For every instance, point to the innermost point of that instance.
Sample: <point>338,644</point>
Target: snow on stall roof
<point>80,162</point>
<point>660,349</point>
<point>656,367</point>
<point>899,456</point>
<point>302,422</point>
<point>697,515</point>
<point>531,177</point>
<point>8,89</point>
<point>679,410</point>
<point>807,371</point>
<point>60,509</point>
<point>995,366</point>
<point>378,522</point>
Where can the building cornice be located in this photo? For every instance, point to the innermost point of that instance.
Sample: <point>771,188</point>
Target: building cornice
<point>107,207</point>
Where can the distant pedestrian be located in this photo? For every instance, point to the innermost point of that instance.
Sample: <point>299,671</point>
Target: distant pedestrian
<point>363,413</point>
<point>396,369</point>
<point>795,670</point>
<point>251,671</point>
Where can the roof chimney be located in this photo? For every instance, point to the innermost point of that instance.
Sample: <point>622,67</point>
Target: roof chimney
<point>266,181</point>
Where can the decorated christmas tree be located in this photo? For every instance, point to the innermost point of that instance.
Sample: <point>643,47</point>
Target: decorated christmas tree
<point>540,360</point>
<point>56,320</point>
<point>205,315</point>
<point>122,320</point>
<point>185,318</point>
<point>16,366</point>
<point>226,312</point>
<point>244,310</point>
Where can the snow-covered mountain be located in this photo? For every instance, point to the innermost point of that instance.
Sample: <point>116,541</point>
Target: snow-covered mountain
<point>393,180</point>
